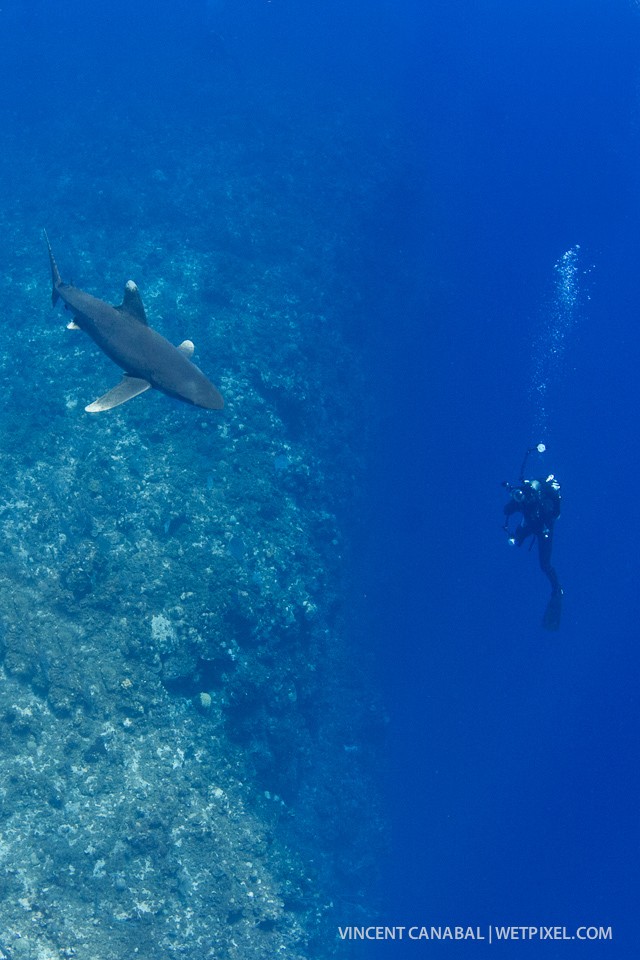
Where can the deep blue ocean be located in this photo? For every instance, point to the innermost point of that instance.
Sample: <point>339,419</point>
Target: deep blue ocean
<point>273,672</point>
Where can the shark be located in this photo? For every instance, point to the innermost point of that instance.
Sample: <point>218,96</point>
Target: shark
<point>146,357</point>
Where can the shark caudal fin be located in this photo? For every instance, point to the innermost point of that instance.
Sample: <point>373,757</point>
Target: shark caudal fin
<point>56,279</point>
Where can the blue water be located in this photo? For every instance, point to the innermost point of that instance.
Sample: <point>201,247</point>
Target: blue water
<point>513,784</point>
<point>282,654</point>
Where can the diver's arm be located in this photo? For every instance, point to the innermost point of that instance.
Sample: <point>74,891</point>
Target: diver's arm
<point>511,507</point>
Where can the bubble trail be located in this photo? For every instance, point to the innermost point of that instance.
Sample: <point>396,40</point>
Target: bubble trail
<point>549,346</point>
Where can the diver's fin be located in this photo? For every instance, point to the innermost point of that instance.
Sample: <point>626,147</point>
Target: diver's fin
<point>553,613</point>
<point>132,302</point>
<point>187,347</point>
<point>128,388</point>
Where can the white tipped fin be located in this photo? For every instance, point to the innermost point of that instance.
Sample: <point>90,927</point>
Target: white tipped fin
<point>72,325</point>
<point>187,347</point>
<point>128,388</point>
<point>132,302</point>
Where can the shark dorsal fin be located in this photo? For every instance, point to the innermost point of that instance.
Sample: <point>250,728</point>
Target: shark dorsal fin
<point>132,302</point>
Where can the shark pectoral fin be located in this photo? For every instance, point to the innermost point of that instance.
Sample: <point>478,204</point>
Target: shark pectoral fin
<point>128,388</point>
<point>187,347</point>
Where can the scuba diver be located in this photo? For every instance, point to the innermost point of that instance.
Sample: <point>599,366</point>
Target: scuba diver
<point>538,502</point>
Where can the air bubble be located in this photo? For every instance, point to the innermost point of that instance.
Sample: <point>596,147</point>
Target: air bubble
<point>559,318</point>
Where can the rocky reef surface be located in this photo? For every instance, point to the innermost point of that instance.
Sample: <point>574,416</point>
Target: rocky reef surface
<point>188,746</point>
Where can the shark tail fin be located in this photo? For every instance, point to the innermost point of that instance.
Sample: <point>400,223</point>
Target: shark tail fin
<point>56,279</point>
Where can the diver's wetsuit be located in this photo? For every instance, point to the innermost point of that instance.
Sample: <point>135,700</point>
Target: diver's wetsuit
<point>539,503</point>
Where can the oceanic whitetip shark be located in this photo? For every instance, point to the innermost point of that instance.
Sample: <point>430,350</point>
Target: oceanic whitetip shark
<point>123,333</point>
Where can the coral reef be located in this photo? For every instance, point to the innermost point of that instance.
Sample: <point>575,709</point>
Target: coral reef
<point>188,744</point>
